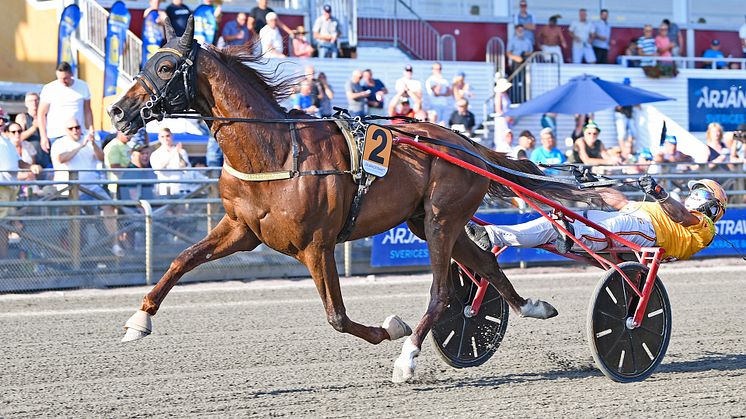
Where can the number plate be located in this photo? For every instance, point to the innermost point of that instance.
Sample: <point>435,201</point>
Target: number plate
<point>377,151</point>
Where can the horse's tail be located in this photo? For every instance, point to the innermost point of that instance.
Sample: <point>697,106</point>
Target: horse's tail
<point>550,189</point>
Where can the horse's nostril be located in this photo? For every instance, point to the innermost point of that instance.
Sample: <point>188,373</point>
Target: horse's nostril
<point>116,113</point>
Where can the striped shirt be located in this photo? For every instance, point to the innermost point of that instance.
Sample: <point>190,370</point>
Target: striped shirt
<point>647,47</point>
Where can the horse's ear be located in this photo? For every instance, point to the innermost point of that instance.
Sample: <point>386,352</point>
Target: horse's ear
<point>170,32</point>
<point>185,42</point>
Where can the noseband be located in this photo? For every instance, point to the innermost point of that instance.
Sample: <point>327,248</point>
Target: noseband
<point>169,96</point>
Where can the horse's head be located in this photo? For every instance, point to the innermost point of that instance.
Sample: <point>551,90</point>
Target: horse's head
<point>167,83</point>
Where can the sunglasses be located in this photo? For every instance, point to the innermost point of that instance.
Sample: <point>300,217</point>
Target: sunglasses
<point>72,128</point>
<point>15,132</point>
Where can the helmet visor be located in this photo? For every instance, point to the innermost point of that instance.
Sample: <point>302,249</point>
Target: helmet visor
<point>698,201</point>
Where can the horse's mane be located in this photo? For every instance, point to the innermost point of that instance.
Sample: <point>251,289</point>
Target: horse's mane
<point>269,82</point>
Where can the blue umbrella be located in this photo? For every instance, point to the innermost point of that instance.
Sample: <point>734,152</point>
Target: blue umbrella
<point>585,94</point>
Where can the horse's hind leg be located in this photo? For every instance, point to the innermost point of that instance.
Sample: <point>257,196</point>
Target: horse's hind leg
<point>323,268</point>
<point>228,237</point>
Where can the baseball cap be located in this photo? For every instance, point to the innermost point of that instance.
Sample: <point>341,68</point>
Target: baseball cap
<point>670,139</point>
<point>592,125</point>
<point>327,8</point>
<point>646,154</point>
<point>270,16</point>
<point>407,67</point>
<point>461,74</point>
<point>403,99</point>
<point>715,42</point>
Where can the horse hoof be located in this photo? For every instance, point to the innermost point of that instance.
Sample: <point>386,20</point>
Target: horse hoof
<point>138,326</point>
<point>403,371</point>
<point>396,327</point>
<point>538,310</point>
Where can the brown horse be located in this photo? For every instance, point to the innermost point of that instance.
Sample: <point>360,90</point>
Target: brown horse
<point>302,216</point>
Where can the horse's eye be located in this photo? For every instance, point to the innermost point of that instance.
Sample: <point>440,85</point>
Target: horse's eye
<point>163,69</point>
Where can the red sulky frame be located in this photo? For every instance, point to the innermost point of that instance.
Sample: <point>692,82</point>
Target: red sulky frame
<point>648,256</point>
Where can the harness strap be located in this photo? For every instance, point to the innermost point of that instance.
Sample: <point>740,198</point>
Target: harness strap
<point>357,203</point>
<point>344,126</point>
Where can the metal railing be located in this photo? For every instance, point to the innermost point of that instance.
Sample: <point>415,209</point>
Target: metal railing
<point>522,76</point>
<point>92,32</point>
<point>406,30</point>
<point>447,48</point>
<point>495,54</point>
<point>681,62</point>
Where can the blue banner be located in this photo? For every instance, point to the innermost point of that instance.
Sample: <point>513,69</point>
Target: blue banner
<point>716,100</point>
<point>205,24</point>
<point>152,36</point>
<point>68,23</point>
<point>400,247</point>
<point>116,35</point>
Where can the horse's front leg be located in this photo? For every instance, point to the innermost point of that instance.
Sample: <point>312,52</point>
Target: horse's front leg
<point>323,268</point>
<point>228,237</point>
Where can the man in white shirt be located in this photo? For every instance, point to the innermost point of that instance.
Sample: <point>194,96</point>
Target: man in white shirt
<point>169,156</point>
<point>742,35</point>
<point>271,38</point>
<point>439,93</point>
<point>60,100</point>
<point>582,32</point>
<point>408,86</point>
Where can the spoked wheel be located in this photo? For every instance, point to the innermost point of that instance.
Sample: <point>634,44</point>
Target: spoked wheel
<point>463,340</point>
<point>623,354</point>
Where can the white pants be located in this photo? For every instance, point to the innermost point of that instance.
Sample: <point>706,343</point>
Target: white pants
<point>555,49</point>
<point>582,50</point>
<point>635,227</point>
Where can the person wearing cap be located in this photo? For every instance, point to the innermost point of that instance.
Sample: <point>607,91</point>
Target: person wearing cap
<point>258,18</point>
<point>526,142</point>
<point>502,123</point>
<point>590,150</point>
<point>525,19</point>
<point>669,153</point>
<point>411,86</point>
<point>301,47</point>
<point>236,32</point>
<point>271,38</point>
<point>681,229</point>
<point>326,32</point>
<point>460,88</point>
<point>551,40</point>
<point>714,52</point>
<point>139,159</point>
<point>462,118</point>
<point>401,105</point>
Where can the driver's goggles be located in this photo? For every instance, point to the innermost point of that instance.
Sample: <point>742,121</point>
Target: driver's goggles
<point>702,194</point>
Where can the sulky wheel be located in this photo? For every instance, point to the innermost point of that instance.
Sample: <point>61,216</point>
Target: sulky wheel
<point>623,354</point>
<point>464,340</point>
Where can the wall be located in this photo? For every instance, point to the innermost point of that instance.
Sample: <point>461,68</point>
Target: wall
<point>472,38</point>
<point>25,58</point>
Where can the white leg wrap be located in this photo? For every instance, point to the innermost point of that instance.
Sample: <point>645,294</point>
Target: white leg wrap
<point>396,327</point>
<point>538,309</point>
<point>138,326</point>
<point>404,365</point>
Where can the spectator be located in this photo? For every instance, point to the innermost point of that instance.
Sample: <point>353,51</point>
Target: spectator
<point>25,151</point>
<point>602,37</point>
<point>502,123</point>
<point>519,48</point>
<point>439,93</point>
<point>719,153</point>
<point>411,86</point>
<point>549,120</point>
<point>646,46</point>
<point>178,13</point>
<point>271,38</point>
<point>505,143</point>
<point>377,91</point>
<point>61,99</point>
<point>462,119</point>
<point>670,153</point>
<point>460,88</point>
<point>742,37</point>
<point>258,17</point>
<point>631,51</point>
<point>401,106</point>
<point>304,99</point>
<point>676,37</point>
<point>663,43</point>
<point>326,32</point>
<point>326,94</point>
<point>357,96</point>
<point>590,150</point>
<point>548,152</point>
<point>236,32</point>
<point>301,47</point>
<point>140,159</point>
<point>714,52</point>
<point>526,142</point>
<point>550,39</point>
<point>526,19</point>
<point>116,156</point>
<point>582,35</point>
<point>169,156</point>
<point>30,125</point>
<point>580,121</point>
<point>310,77</point>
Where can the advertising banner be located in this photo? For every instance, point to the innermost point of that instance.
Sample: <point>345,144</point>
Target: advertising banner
<point>731,232</point>
<point>152,36</point>
<point>68,23</point>
<point>116,35</point>
<point>717,100</point>
<point>205,24</point>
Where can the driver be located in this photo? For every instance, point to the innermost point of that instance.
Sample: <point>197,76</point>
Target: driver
<point>681,229</point>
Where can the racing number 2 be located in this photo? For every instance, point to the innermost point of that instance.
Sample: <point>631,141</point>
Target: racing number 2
<point>377,151</point>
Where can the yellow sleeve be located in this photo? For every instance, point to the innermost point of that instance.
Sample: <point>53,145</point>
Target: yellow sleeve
<point>703,232</point>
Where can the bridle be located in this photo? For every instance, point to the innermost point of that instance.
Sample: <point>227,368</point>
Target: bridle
<point>168,96</point>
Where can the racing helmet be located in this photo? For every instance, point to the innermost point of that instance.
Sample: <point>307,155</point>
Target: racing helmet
<point>707,197</point>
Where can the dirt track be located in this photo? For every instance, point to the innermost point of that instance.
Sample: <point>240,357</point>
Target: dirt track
<point>264,349</point>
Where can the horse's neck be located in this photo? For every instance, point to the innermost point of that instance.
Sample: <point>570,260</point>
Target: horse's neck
<point>249,147</point>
